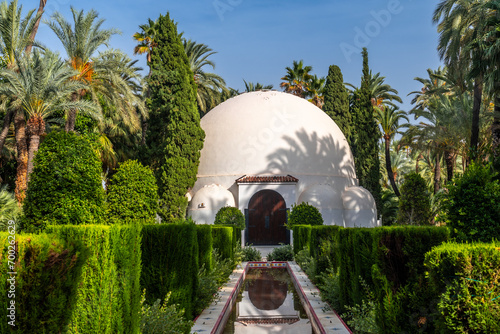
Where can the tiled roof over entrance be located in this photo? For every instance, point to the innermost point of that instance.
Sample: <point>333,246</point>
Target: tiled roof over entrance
<point>267,179</point>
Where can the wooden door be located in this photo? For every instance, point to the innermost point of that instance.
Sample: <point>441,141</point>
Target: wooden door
<point>266,218</point>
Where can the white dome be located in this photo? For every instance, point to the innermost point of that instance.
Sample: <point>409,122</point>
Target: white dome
<point>322,196</point>
<point>207,201</point>
<point>359,208</point>
<point>270,132</point>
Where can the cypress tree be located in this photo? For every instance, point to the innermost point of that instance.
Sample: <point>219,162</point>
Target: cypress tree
<point>174,136</point>
<point>365,136</point>
<point>337,101</point>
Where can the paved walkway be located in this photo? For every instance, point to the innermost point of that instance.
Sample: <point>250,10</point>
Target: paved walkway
<point>265,250</point>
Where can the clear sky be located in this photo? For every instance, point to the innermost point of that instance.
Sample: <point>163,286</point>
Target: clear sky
<point>256,39</point>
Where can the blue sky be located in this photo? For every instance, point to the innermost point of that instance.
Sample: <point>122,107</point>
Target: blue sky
<point>256,39</point>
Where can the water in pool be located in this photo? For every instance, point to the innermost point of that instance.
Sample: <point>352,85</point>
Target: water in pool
<point>268,303</point>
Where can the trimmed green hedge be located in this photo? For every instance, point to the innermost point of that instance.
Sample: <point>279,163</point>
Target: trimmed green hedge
<point>48,271</point>
<point>390,260</point>
<point>132,194</point>
<point>205,246</point>
<point>466,277</point>
<point>65,185</point>
<point>301,237</point>
<point>223,240</point>
<point>170,263</point>
<point>108,295</point>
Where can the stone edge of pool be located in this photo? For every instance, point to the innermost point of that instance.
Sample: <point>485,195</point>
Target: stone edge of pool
<point>324,320</point>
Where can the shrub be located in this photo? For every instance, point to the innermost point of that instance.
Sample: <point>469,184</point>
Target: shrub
<point>304,214</point>
<point>464,279</point>
<point>323,247</point>
<point>48,273</point>
<point>163,318</point>
<point>9,210</point>
<point>108,296</point>
<point>307,263</point>
<point>170,264</point>
<point>223,241</point>
<point>65,185</point>
<point>414,202</point>
<point>282,253</point>
<point>251,254</point>
<point>229,215</point>
<point>205,246</point>
<point>132,194</point>
<point>473,205</point>
<point>301,237</point>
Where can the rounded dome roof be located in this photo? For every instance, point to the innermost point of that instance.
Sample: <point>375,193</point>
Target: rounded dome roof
<point>270,132</point>
<point>322,196</point>
<point>358,198</point>
<point>212,197</point>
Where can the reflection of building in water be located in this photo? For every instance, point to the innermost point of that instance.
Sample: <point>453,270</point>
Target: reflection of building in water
<point>267,150</point>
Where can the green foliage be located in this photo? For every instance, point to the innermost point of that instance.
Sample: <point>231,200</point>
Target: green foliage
<point>108,295</point>
<point>365,136</point>
<point>464,277</point>
<point>336,100</point>
<point>473,205</point>
<point>223,241</point>
<point>301,237</point>
<point>329,285</point>
<point>211,280</point>
<point>48,273</point>
<point>307,263</point>
<point>170,264</point>
<point>304,214</point>
<point>132,194</point>
<point>9,210</point>
<point>282,253</point>
<point>389,207</point>
<point>414,202</point>
<point>229,215</point>
<point>251,254</point>
<point>163,318</point>
<point>205,246</point>
<point>65,185</point>
<point>174,137</point>
<point>361,317</point>
<point>323,247</point>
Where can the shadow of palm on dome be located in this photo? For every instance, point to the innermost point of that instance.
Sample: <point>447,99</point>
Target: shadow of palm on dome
<point>314,154</point>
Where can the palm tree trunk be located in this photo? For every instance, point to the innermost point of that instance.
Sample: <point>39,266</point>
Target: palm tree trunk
<point>478,94</point>
<point>437,173</point>
<point>417,163</point>
<point>71,119</point>
<point>450,164</point>
<point>36,128</point>
<point>22,156</point>
<point>495,130</point>
<point>388,165</point>
<point>5,128</point>
<point>41,6</point>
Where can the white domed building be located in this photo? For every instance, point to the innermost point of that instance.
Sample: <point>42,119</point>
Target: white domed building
<point>265,151</point>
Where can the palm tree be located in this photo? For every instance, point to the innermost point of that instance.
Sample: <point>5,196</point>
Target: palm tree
<point>39,13</point>
<point>145,39</point>
<point>381,94</point>
<point>297,79</point>
<point>81,42</point>
<point>460,25</point>
<point>315,90</point>
<point>389,119</point>
<point>41,86</point>
<point>209,85</point>
<point>16,36</point>
<point>251,87</point>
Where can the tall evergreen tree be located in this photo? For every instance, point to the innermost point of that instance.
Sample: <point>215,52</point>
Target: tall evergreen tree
<point>175,137</point>
<point>337,101</point>
<point>365,136</point>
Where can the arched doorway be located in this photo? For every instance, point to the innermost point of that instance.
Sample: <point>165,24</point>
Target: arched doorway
<point>266,218</point>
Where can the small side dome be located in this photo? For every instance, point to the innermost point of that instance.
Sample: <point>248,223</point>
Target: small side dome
<point>327,200</point>
<point>359,208</point>
<point>207,201</point>
<point>322,196</point>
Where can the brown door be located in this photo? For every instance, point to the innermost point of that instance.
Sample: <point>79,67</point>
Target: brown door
<point>266,218</point>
